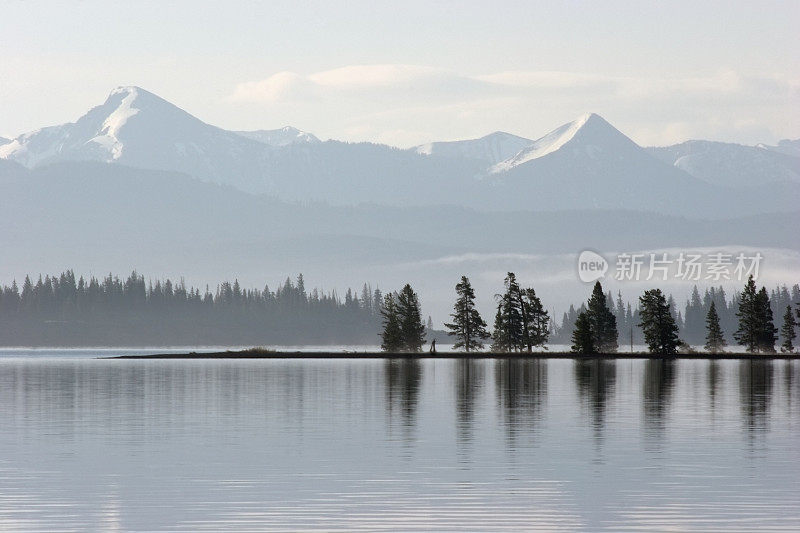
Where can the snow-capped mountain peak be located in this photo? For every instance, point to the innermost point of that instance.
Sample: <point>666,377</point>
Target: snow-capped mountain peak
<point>95,136</point>
<point>281,137</point>
<point>592,130</point>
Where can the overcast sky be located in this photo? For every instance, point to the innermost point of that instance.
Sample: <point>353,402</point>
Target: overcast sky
<point>410,72</point>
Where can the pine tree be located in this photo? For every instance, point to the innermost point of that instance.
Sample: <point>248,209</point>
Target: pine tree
<point>582,338</point>
<point>787,330</point>
<point>749,324</point>
<point>500,341</point>
<point>535,319</point>
<point>409,314</point>
<point>767,332</point>
<point>603,322</point>
<point>467,327</point>
<point>757,331</point>
<point>658,323</point>
<point>509,329</point>
<point>391,338</point>
<point>715,340</point>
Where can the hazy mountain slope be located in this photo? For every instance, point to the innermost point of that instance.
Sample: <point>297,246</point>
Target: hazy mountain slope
<point>97,218</point>
<point>490,149</point>
<point>352,173</point>
<point>786,146</point>
<point>730,164</point>
<point>280,137</point>
<point>118,208</point>
<point>3,141</point>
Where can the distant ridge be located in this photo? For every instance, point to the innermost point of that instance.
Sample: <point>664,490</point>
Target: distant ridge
<point>491,148</point>
<point>584,164</point>
<point>280,137</point>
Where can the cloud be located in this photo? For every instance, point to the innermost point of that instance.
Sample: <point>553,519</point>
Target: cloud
<point>373,76</point>
<point>425,82</point>
<point>280,86</point>
<point>359,81</point>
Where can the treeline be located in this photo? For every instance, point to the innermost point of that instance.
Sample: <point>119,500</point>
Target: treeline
<point>522,323</point>
<point>690,317</point>
<point>64,311</point>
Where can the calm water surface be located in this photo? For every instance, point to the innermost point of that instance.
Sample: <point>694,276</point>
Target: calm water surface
<point>393,444</point>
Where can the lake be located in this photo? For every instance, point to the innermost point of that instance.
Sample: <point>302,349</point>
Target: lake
<point>485,445</point>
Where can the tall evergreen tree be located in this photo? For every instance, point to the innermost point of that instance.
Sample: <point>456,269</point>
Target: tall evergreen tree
<point>391,337</point>
<point>509,330</point>
<point>467,327</point>
<point>767,330</point>
<point>788,333</point>
<point>500,342</point>
<point>749,323</point>
<point>535,319</point>
<point>582,338</point>
<point>756,330</point>
<point>658,323</point>
<point>409,314</point>
<point>603,322</point>
<point>715,340</point>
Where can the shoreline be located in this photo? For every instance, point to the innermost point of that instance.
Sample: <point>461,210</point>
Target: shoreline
<point>268,354</point>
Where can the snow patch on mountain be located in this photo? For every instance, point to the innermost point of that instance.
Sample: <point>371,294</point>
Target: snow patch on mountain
<point>109,134</point>
<point>491,148</point>
<point>280,137</point>
<point>546,145</point>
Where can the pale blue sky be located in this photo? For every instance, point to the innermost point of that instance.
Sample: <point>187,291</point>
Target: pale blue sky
<point>411,72</point>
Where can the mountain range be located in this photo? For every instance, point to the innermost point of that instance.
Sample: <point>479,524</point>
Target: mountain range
<point>584,164</point>
<point>139,183</point>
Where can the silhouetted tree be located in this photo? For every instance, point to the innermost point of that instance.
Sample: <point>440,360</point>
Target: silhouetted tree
<point>658,323</point>
<point>749,322</point>
<point>535,319</point>
<point>582,338</point>
<point>756,330</point>
<point>409,316</point>
<point>603,322</point>
<point>715,340</point>
<point>509,331</point>
<point>391,337</point>
<point>787,331</point>
<point>767,331</point>
<point>467,327</point>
